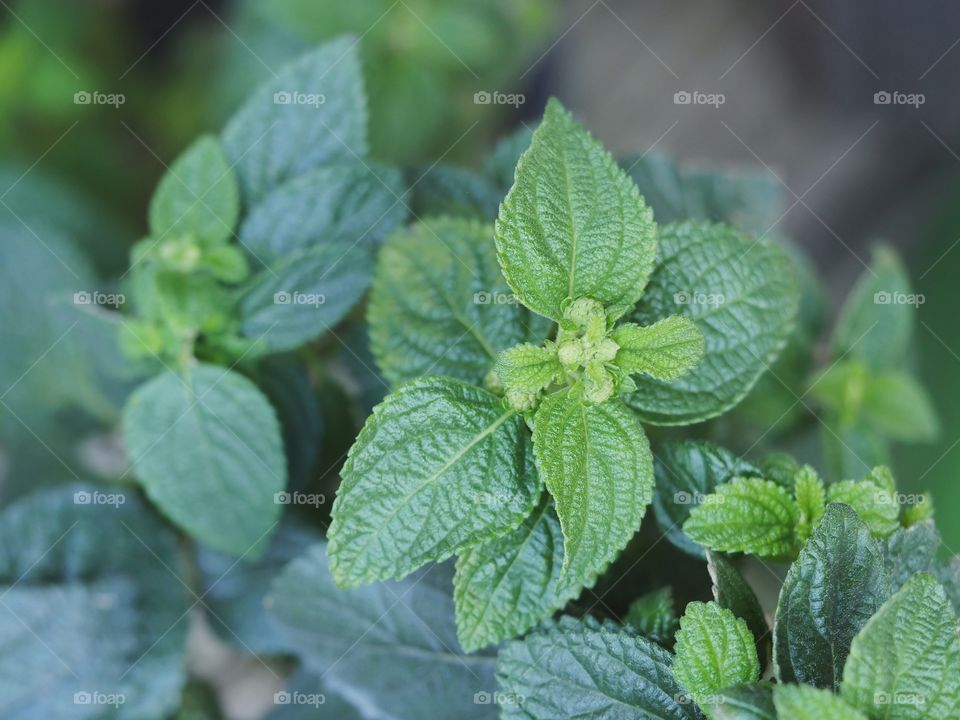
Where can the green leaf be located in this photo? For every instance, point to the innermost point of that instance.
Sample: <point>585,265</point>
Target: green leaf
<point>666,350</point>
<point>438,467</point>
<point>94,601</point>
<point>390,647</point>
<point>440,305</point>
<point>714,650</point>
<point>742,295</point>
<point>831,591</point>
<point>749,515</point>
<point>506,586</point>
<point>450,190</point>
<point>781,468</point>
<point>876,321</point>
<point>339,205</point>
<point>573,225</point>
<point>910,551</point>
<point>501,164</point>
<point>731,591</point>
<point>802,702</point>
<point>206,448</point>
<point>571,669</point>
<point>811,499</point>
<point>878,507</point>
<point>197,196</point>
<point>302,295</point>
<point>595,461</point>
<point>897,406</point>
<point>528,367</point>
<point>284,130</point>
<point>686,473</point>
<point>905,662</point>
<point>653,615</point>
<point>749,701</point>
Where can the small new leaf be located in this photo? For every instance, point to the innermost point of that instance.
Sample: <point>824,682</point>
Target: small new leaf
<point>877,506</point>
<point>528,369</point>
<point>811,500</point>
<point>749,515</point>
<point>666,350</point>
<point>653,615</point>
<point>714,650</point>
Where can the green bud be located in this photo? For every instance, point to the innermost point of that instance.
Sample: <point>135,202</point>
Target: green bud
<point>570,353</point>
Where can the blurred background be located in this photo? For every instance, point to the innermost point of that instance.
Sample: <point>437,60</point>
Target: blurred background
<point>847,113</point>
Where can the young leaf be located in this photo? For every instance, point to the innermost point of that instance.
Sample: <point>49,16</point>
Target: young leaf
<point>206,448</point>
<point>831,591</point>
<point>714,650</point>
<point>595,461</point>
<point>666,350</point>
<point>905,662</point>
<point>506,586</point>
<point>749,701</point>
<point>435,443</point>
<point>653,615</point>
<point>312,113</point>
<point>390,647</point>
<point>750,515</point>
<point>898,407</point>
<point>340,205</point>
<point>811,500</point>
<point>573,225</point>
<point>731,591</point>
<point>876,321</point>
<point>93,601</point>
<point>877,507</point>
<point>687,472</point>
<point>742,295</point>
<point>574,670</point>
<point>803,702</point>
<point>197,196</point>
<point>910,551</point>
<point>440,305</point>
<point>528,367</point>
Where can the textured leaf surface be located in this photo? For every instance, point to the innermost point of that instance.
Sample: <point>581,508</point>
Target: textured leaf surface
<point>742,295</point>
<point>389,648</point>
<point>440,305</point>
<point>905,662</point>
<point>910,551</point>
<point>207,449</point>
<point>302,295</point>
<point>506,586</point>
<point>686,472</point>
<point>574,670</point>
<point>811,500</point>
<point>596,463</point>
<point>666,350</point>
<point>88,606</point>
<point>803,702</point>
<point>731,591</point>
<point>573,225</point>
<point>272,141</point>
<point>439,466</point>
<point>653,615</point>
<point>198,196</point>
<point>749,701</point>
<point>876,506</point>
<point>528,367</point>
<point>714,650</point>
<point>833,588</point>
<point>750,515</point>
<point>341,205</point>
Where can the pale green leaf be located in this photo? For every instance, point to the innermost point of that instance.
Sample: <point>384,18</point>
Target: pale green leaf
<point>714,650</point>
<point>830,592</point>
<point>654,616</point>
<point>528,367</point>
<point>803,702</point>
<point>206,448</point>
<point>898,407</point>
<point>877,507</point>
<point>731,591</point>
<point>595,461</point>
<point>905,662</point>
<point>506,586</point>
<point>438,467</point>
<point>197,196</point>
<point>573,225</point>
<point>313,112</point>
<point>811,499</point>
<point>687,472</point>
<point>666,350</point>
<point>439,304</point>
<point>579,670</point>
<point>749,515</point>
<point>742,295</point>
